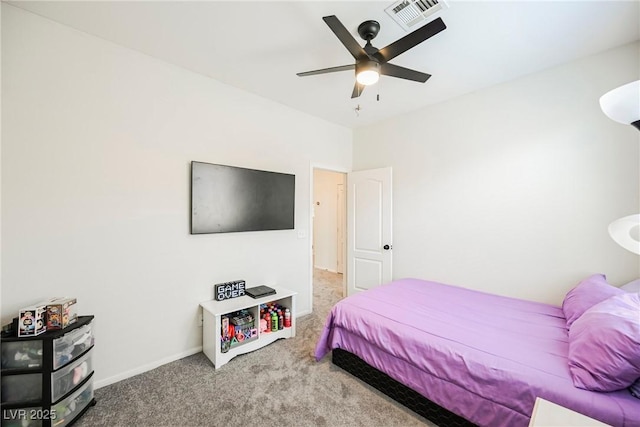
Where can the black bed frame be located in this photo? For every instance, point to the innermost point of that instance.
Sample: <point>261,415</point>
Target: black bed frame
<point>397,391</point>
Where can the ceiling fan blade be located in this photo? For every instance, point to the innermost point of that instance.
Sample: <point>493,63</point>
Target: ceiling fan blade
<point>357,90</point>
<point>327,70</point>
<point>345,37</point>
<point>387,69</point>
<point>410,40</point>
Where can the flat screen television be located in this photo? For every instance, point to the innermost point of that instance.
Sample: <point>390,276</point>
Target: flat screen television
<point>227,199</point>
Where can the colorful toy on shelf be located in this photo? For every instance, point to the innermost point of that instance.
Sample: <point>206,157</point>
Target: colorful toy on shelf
<point>275,316</point>
<point>61,312</point>
<point>287,318</point>
<point>226,344</point>
<point>228,290</point>
<point>31,320</point>
<point>237,327</point>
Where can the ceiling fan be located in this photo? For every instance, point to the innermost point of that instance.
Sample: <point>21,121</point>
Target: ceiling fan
<point>371,61</point>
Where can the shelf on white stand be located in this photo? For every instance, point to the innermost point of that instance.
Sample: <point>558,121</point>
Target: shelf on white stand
<point>212,312</point>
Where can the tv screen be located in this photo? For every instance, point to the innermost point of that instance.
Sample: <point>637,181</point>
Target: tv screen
<point>226,199</point>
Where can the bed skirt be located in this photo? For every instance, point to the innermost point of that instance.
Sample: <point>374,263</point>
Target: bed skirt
<point>397,391</point>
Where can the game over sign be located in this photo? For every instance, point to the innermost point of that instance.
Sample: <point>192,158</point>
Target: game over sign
<point>229,290</point>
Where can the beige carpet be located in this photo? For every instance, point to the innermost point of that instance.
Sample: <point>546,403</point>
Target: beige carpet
<point>278,385</point>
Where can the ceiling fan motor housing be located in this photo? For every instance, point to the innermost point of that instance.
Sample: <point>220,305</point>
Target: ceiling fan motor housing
<point>368,30</point>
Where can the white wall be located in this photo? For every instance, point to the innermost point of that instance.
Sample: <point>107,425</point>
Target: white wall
<point>325,218</point>
<point>96,148</point>
<point>511,189</point>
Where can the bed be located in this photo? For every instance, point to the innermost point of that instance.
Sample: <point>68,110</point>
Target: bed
<point>464,357</point>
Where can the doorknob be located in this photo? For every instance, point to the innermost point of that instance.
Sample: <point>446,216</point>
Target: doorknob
<point>386,247</point>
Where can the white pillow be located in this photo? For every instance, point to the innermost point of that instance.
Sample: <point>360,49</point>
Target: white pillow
<point>631,286</point>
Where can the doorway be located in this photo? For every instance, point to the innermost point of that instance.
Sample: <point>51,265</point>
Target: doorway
<point>329,220</point>
<point>328,232</point>
<point>354,207</point>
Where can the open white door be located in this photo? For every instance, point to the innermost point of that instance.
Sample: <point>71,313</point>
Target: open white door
<point>369,259</point>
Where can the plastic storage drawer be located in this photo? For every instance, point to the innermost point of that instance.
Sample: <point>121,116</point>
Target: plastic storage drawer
<point>72,344</point>
<point>22,354</point>
<point>21,388</point>
<point>64,380</point>
<point>68,409</point>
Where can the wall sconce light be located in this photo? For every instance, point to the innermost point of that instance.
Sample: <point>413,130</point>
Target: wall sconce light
<point>623,104</point>
<point>626,232</point>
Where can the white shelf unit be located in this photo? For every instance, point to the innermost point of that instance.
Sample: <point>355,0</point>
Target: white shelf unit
<point>212,312</point>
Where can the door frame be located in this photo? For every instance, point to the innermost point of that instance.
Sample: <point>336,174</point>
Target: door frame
<point>330,168</point>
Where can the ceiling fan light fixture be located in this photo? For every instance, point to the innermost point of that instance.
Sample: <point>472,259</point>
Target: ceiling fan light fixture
<point>367,72</point>
<point>371,61</point>
<point>368,77</point>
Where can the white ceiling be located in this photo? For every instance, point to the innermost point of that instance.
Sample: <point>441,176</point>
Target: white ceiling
<point>260,46</point>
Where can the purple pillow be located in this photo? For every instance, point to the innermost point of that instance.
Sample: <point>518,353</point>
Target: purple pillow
<point>604,345</point>
<point>586,294</point>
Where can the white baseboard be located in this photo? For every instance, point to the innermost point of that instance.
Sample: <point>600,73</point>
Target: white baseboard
<point>149,366</point>
<point>145,368</point>
<point>303,313</point>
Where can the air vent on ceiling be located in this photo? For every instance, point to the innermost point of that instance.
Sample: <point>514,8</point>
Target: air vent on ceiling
<point>409,13</point>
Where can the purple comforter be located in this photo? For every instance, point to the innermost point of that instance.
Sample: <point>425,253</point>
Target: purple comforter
<point>481,356</point>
